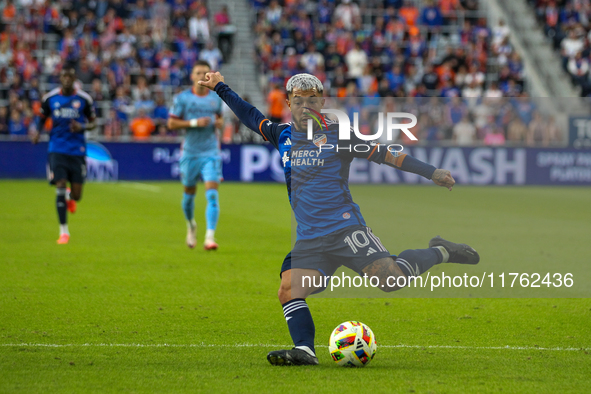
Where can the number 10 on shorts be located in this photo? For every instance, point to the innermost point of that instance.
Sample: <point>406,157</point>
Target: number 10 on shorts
<point>359,239</point>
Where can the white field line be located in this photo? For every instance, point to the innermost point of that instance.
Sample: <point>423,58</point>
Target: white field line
<point>140,186</point>
<point>204,345</point>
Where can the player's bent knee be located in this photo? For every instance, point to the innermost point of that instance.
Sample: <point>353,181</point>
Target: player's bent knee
<point>389,274</point>
<point>284,293</point>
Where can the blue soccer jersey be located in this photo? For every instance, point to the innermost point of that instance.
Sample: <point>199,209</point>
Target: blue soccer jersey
<point>317,179</point>
<point>199,141</point>
<point>63,110</point>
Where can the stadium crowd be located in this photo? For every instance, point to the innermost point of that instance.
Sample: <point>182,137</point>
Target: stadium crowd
<point>394,48</point>
<point>389,48</point>
<point>567,24</point>
<point>131,56</point>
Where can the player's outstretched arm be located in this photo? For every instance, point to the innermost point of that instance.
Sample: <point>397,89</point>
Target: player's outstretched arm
<point>382,155</point>
<point>408,163</point>
<point>247,113</point>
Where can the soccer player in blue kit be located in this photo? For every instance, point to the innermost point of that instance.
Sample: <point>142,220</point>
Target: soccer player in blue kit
<point>331,230</point>
<point>72,113</point>
<point>199,111</point>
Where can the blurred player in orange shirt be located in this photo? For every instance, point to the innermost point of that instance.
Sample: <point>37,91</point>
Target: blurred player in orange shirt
<point>276,100</point>
<point>142,126</point>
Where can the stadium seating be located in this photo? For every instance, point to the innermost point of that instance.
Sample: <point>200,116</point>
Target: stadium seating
<point>132,56</point>
<point>566,24</point>
<point>395,48</point>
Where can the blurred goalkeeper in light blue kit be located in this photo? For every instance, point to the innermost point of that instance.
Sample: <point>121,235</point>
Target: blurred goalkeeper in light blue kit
<point>198,110</point>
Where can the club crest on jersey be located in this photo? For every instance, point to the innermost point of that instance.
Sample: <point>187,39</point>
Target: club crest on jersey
<point>319,139</point>
<point>346,215</point>
<point>76,104</point>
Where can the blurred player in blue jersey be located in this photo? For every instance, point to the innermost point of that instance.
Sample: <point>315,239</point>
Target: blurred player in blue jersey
<point>331,230</point>
<point>72,113</point>
<point>199,111</point>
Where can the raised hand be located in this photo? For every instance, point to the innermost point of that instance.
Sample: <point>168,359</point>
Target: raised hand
<point>212,79</point>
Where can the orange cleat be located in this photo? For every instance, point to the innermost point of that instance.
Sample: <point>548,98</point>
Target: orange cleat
<point>210,245</point>
<point>71,206</point>
<point>63,239</point>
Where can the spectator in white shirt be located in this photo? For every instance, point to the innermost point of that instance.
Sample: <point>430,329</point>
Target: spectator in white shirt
<point>199,26</point>
<point>273,13</point>
<point>474,75</point>
<point>500,32</point>
<point>493,91</point>
<point>356,60</point>
<point>347,13</point>
<point>464,132</point>
<point>211,55</point>
<point>570,46</point>
<point>472,92</point>
<point>50,62</point>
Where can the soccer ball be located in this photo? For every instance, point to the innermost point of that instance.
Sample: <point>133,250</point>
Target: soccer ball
<point>352,344</point>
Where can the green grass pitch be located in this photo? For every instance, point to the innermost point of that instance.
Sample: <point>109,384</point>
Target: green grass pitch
<point>127,307</point>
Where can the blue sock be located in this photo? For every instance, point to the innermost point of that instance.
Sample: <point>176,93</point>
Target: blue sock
<point>189,206</point>
<point>212,212</point>
<point>414,262</point>
<point>300,323</point>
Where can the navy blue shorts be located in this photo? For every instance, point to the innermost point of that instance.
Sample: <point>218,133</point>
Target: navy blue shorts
<point>69,167</point>
<point>355,247</point>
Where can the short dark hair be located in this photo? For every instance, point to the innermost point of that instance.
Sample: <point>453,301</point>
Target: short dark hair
<point>201,63</point>
<point>69,67</point>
